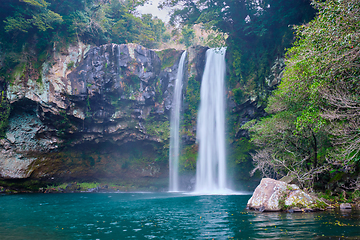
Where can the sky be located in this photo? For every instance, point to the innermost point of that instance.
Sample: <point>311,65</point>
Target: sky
<point>152,8</point>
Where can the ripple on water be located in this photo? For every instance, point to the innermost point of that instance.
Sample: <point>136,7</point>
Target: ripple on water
<point>161,216</point>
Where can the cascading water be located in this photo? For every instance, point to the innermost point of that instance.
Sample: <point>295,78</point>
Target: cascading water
<point>211,163</point>
<point>174,128</point>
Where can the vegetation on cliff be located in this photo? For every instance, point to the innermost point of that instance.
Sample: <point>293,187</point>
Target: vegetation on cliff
<point>257,32</point>
<point>4,113</point>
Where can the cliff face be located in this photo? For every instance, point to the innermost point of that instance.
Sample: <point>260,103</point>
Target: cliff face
<point>91,111</point>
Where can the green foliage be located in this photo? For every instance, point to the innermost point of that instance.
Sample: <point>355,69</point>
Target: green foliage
<point>166,37</point>
<point>132,85</point>
<point>168,57</point>
<point>192,101</point>
<point>158,128</point>
<point>88,185</point>
<point>4,113</point>
<point>188,35</point>
<point>281,202</point>
<point>70,65</point>
<point>33,14</point>
<point>312,127</point>
<point>216,39</point>
<point>240,160</point>
<point>63,124</point>
<point>188,158</point>
<point>238,95</point>
<point>158,92</point>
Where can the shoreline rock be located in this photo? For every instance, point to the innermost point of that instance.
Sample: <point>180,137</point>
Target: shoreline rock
<point>273,196</point>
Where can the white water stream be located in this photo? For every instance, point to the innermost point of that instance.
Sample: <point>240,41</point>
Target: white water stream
<point>174,128</point>
<point>211,162</point>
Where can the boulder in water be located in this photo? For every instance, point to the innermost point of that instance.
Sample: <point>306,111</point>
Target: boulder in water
<point>273,195</point>
<point>345,206</point>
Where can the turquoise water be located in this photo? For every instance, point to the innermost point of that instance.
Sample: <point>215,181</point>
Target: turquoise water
<point>161,216</point>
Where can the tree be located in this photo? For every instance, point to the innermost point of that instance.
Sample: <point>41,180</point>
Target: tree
<point>188,35</point>
<point>318,100</point>
<point>33,13</point>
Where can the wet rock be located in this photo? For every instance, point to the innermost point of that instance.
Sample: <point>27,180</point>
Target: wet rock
<point>96,189</point>
<point>273,195</point>
<point>150,171</point>
<point>10,136</point>
<point>345,206</point>
<point>197,59</point>
<point>88,95</point>
<point>72,187</point>
<point>276,73</point>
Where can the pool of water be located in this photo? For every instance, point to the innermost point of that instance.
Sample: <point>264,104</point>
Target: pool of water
<point>161,216</point>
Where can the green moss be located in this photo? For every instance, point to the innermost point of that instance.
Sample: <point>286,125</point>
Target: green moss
<point>4,114</point>
<point>281,202</point>
<point>39,80</point>
<point>238,95</point>
<point>132,84</point>
<point>42,56</point>
<point>18,72</point>
<point>70,65</point>
<point>188,158</point>
<point>71,186</point>
<point>21,185</point>
<point>158,92</point>
<point>158,128</point>
<point>168,57</point>
<point>192,100</point>
<point>63,123</point>
<point>320,205</point>
<point>337,177</point>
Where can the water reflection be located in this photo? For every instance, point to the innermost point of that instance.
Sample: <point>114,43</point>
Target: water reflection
<point>213,221</point>
<point>318,225</point>
<point>283,225</point>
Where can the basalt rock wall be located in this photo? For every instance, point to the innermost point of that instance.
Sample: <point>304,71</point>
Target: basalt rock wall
<point>94,111</point>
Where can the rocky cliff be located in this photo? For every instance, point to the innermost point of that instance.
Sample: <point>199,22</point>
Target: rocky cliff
<point>91,112</point>
<point>98,112</point>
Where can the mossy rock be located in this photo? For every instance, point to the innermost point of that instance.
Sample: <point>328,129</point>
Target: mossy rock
<point>273,195</point>
<point>168,57</point>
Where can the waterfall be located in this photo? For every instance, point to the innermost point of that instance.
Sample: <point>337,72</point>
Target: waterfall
<point>211,162</point>
<point>174,128</point>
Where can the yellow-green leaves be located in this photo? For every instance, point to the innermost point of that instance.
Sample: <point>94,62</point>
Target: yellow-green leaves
<point>16,24</point>
<point>35,14</point>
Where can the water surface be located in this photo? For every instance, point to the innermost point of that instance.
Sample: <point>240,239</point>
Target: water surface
<point>161,216</point>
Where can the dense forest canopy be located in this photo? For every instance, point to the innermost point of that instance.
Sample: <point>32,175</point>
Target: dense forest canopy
<point>97,22</point>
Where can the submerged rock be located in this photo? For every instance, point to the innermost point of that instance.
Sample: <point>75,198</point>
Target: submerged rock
<point>273,195</point>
